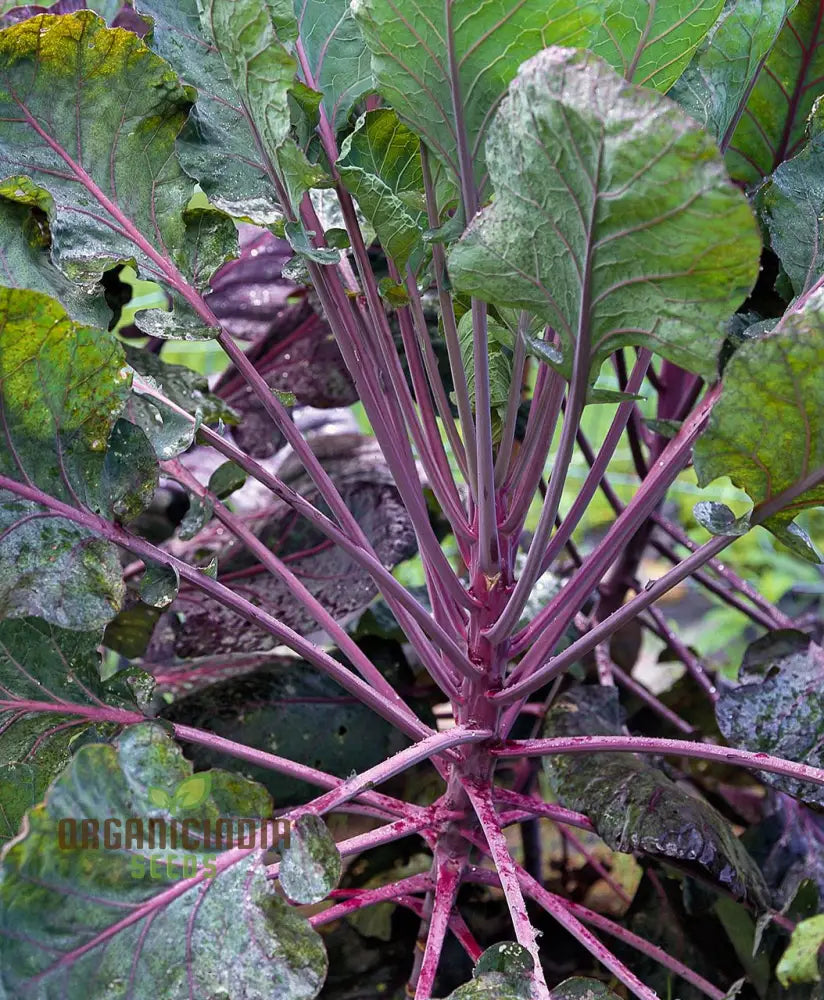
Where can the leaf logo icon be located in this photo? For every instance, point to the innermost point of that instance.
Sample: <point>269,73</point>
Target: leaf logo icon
<point>192,792</point>
<point>159,797</point>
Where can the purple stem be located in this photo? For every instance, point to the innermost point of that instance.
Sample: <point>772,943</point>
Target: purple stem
<point>549,625</point>
<point>507,870</point>
<point>777,618</point>
<point>535,556</point>
<point>527,472</point>
<point>435,744</point>
<point>628,681</point>
<point>370,897</point>
<point>447,882</point>
<point>652,593</point>
<point>768,620</point>
<point>691,662</point>
<point>513,403</point>
<point>557,908</point>
<point>450,328</point>
<point>406,608</point>
<point>383,804</point>
<point>433,375</point>
<point>599,467</point>
<point>429,444</point>
<point>676,748</point>
<point>488,548</point>
<point>536,807</point>
<point>603,923</point>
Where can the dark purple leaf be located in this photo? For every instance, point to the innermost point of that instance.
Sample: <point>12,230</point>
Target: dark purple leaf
<point>778,707</point>
<point>789,847</point>
<point>635,807</point>
<point>25,11</point>
<point>357,468</point>
<point>289,708</point>
<point>293,346</point>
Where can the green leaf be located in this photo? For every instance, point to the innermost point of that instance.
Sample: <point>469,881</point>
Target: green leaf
<point>25,263</point>
<point>791,203</point>
<point>226,479</point>
<point>82,150</point>
<point>380,163</point>
<point>159,585</point>
<point>718,519</point>
<point>216,145</point>
<point>44,665</point>
<point>169,432</point>
<point>116,928</point>
<point>635,807</point>
<point>500,363</point>
<point>300,240</point>
<point>778,706</point>
<point>193,792</point>
<point>311,865</point>
<point>209,241</point>
<point>507,957</point>
<point>196,518</point>
<point>63,387</point>
<point>582,989</point>
<point>650,42</point>
<point>716,85</point>
<point>767,430</point>
<point>772,126</point>
<point>491,39</point>
<point>129,476</point>
<point>613,219</point>
<point>800,962</point>
<point>336,55</point>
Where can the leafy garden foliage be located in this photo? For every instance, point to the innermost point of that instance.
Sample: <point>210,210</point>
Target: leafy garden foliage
<point>310,593</point>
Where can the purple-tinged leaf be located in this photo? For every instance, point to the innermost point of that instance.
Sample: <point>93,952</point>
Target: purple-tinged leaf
<point>635,807</point>
<point>250,294</point>
<point>363,479</point>
<point>44,665</point>
<point>637,237</point>
<point>200,922</point>
<point>294,348</point>
<point>717,84</point>
<point>772,126</point>
<point>789,846</point>
<point>22,13</point>
<point>778,706</point>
